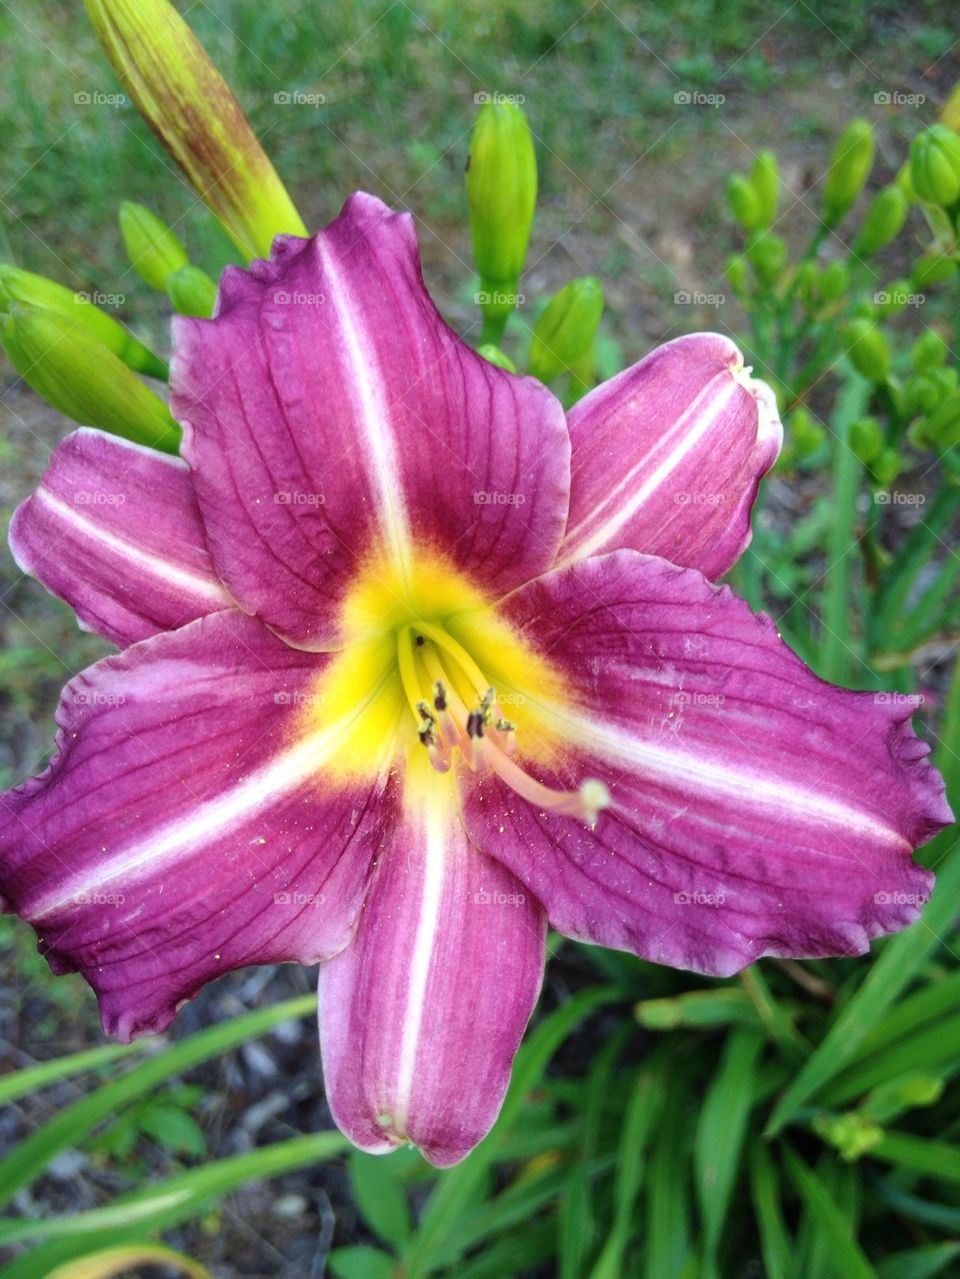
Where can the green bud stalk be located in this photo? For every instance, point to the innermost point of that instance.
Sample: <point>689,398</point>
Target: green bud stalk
<point>187,103</point>
<point>849,169</point>
<point>192,292</point>
<point>567,328</point>
<point>502,196</point>
<point>80,377</point>
<point>154,250</point>
<point>37,291</point>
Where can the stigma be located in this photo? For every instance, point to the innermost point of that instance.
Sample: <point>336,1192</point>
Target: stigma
<point>455,708</point>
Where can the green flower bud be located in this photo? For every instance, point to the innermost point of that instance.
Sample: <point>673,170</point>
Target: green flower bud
<point>191,291</point>
<point>868,350</point>
<point>502,195</point>
<point>921,394</point>
<point>929,351</point>
<point>866,438</point>
<point>744,202</point>
<point>494,355</point>
<point>187,103</point>
<point>566,328</point>
<point>736,273</point>
<point>935,268</point>
<point>935,165</point>
<point>37,290</point>
<point>769,256</point>
<point>942,426</point>
<point>75,373</point>
<point>945,380</point>
<point>765,180</point>
<point>886,467</point>
<point>154,250</point>
<point>883,222</point>
<point>849,169</point>
<point>852,1134</point>
<point>833,282</point>
<point>805,435</point>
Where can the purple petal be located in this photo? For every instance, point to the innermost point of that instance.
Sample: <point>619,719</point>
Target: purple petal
<point>755,809</point>
<point>114,530</point>
<point>186,827</point>
<point>331,417</point>
<point>668,455</point>
<point>420,1017</point>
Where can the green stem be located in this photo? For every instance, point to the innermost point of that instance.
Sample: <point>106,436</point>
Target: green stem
<point>493,328</point>
<point>837,639</point>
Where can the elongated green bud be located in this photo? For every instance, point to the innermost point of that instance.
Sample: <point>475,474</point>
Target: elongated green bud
<point>849,170</point>
<point>36,290</point>
<point>736,273</point>
<point>935,165</point>
<point>187,103</point>
<point>866,438</point>
<point>502,195</point>
<point>942,427</point>
<point>75,373</point>
<point>929,351</point>
<point>883,223</point>
<point>566,328</point>
<point>886,466</point>
<point>744,202</point>
<point>768,254</point>
<point>833,282</point>
<point>765,180</point>
<point>868,350</point>
<point>494,355</point>
<point>192,292</point>
<point>155,251</point>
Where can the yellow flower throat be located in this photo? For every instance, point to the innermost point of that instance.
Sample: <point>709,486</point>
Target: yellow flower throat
<point>428,669</point>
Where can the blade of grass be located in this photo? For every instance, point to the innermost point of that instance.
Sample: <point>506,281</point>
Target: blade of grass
<point>833,1226</point>
<point>32,1078</point>
<point>719,1138</point>
<point>775,1243</point>
<point>174,1199</point>
<point>69,1126</point>
<point>639,1124</point>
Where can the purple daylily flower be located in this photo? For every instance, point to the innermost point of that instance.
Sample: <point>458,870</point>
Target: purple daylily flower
<point>413,665</point>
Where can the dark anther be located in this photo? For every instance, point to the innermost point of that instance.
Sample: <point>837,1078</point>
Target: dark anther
<point>439,697</point>
<point>419,641</point>
<point>475,724</point>
<point>426,736</point>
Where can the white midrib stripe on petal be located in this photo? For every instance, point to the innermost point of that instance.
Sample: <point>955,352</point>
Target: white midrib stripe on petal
<point>180,839</point>
<point>372,401</point>
<point>688,441</point>
<point>435,840</point>
<point>203,587</point>
<point>773,795</point>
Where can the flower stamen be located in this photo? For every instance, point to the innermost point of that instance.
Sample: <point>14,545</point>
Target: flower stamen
<point>486,738</point>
